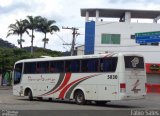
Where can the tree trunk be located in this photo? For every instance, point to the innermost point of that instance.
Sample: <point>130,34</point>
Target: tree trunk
<point>45,41</point>
<point>20,40</point>
<point>32,42</point>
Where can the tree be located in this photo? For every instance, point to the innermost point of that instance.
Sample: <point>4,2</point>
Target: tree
<point>47,26</point>
<point>19,28</point>
<point>32,24</point>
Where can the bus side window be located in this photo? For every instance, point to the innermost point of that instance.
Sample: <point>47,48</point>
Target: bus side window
<point>90,65</point>
<point>114,64</point>
<point>108,64</point>
<point>29,68</point>
<point>101,66</point>
<point>60,66</point>
<point>75,65</point>
<point>38,68</point>
<point>56,66</point>
<point>68,66</point>
<point>42,67</point>
<point>84,67</point>
<point>72,66</point>
<point>52,68</point>
<point>93,65</point>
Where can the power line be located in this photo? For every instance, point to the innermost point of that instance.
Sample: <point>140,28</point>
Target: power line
<point>62,40</point>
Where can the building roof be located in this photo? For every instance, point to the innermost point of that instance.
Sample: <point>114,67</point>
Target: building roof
<point>117,13</point>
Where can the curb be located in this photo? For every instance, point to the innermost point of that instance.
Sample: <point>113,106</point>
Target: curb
<point>5,87</point>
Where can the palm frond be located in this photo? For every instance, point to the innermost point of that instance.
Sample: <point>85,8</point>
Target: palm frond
<point>18,28</point>
<point>8,34</point>
<point>54,28</point>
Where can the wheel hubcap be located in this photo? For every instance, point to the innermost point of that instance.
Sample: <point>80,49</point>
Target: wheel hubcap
<point>80,98</point>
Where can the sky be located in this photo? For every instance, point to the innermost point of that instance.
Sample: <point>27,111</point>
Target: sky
<point>66,13</point>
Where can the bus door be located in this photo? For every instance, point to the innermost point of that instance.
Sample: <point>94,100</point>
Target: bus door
<point>135,76</point>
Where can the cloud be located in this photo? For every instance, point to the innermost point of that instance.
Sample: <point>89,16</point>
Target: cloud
<point>152,1</point>
<point>134,1</point>
<point>14,7</point>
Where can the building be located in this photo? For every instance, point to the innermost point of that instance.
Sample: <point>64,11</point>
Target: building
<point>80,50</point>
<point>119,36</point>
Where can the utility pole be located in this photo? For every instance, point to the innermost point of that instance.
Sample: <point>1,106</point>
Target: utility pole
<point>74,34</point>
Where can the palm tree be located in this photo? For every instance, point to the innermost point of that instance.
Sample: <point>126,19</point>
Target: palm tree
<point>33,23</point>
<point>47,26</point>
<point>19,28</point>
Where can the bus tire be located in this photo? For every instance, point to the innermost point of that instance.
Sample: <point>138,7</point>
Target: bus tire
<point>80,98</point>
<point>40,98</point>
<point>50,99</point>
<point>30,96</point>
<point>101,102</point>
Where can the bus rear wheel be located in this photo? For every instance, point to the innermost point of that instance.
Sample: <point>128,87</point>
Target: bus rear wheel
<point>30,96</point>
<point>79,98</point>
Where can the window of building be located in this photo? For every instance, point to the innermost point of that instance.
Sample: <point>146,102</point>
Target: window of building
<point>30,68</point>
<point>132,36</point>
<point>56,66</point>
<point>110,38</point>
<point>90,65</point>
<point>72,66</point>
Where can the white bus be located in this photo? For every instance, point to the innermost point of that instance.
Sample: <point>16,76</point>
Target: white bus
<point>99,78</point>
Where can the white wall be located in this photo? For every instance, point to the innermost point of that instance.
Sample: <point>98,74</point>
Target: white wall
<point>151,53</point>
<point>80,50</point>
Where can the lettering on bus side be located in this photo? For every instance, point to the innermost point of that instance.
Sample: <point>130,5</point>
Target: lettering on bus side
<point>112,77</point>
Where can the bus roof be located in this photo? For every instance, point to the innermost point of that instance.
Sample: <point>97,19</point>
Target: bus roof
<point>74,57</point>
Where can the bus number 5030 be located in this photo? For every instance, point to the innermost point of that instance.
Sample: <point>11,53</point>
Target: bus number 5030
<point>112,77</point>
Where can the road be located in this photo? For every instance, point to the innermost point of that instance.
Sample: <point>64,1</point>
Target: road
<point>10,102</point>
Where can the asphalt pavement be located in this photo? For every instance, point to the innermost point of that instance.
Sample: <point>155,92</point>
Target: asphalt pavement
<point>21,105</point>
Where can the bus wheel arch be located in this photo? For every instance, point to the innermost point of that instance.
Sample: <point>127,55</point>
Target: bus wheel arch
<point>28,92</point>
<point>79,97</point>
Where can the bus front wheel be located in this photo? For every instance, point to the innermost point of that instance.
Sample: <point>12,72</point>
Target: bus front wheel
<point>79,98</point>
<point>30,96</point>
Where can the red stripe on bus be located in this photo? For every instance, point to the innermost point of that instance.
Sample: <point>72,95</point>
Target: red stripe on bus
<point>66,79</point>
<point>61,95</point>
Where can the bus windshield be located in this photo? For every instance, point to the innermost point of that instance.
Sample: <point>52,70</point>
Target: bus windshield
<point>17,73</point>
